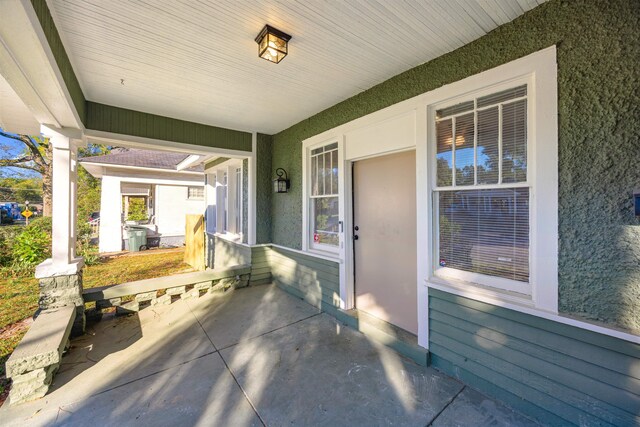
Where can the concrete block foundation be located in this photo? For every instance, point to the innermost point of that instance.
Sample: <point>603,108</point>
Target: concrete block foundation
<point>62,291</point>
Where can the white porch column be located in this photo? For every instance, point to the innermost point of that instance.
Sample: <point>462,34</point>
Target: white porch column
<point>110,215</point>
<point>61,275</point>
<point>63,259</point>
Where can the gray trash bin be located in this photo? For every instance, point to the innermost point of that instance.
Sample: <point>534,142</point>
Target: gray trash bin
<point>137,238</point>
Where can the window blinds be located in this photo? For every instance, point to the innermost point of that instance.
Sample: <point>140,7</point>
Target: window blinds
<point>484,142</point>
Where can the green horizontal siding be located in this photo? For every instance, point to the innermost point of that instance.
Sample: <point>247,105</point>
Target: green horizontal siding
<point>108,118</point>
<point>260,267</point>
<point>555,372</point>
<point>313,279</point>
<point>228,253</point>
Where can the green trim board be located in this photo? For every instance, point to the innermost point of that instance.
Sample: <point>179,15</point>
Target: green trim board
<point>61,57</point>
<point>215,162</point>
<point>118,120</point>
<point>554,372</point>
<point>598,138</point>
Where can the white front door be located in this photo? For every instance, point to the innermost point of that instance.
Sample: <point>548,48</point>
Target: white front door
<point>384,206</point>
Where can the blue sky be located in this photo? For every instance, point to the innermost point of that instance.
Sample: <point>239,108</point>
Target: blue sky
<point>9,148</point>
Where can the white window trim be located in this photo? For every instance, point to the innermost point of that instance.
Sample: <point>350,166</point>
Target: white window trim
<point>539,71</point>
<point>460,278</point>
<point>307,244</point>
<point>210,192</point>
<point>229,167</point>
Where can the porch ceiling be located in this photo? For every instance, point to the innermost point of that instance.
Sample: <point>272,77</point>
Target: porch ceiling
<point>198,61</point>
<point>15,116</point>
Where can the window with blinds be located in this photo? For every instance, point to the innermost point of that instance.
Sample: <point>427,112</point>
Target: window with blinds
<point>481,191</point>
<point>324,199</point>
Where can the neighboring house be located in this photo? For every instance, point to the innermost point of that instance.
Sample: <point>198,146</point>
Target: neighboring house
<point>166,185</point>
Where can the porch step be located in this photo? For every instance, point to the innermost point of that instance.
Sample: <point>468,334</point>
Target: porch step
<point>158,283</point>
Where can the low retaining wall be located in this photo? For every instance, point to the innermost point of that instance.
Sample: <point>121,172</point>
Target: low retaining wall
<point>35,361</point>
<point>165,290</point>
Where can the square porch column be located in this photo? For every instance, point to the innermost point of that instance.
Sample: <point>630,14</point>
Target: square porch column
<point>110,215</point>
<point>60,276</point>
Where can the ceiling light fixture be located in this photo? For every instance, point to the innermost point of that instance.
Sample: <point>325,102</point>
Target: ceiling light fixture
<point>273,44</point>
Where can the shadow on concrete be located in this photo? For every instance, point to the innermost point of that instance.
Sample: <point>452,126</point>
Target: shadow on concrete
<point>254,356</point>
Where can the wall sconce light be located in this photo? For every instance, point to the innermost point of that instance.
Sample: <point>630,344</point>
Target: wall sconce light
<point>273,44</point>
<point>281,185</point>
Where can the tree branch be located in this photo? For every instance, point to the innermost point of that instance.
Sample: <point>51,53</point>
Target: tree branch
<point>33,147</point>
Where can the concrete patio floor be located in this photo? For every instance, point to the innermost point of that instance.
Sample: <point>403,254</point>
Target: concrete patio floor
<point>255,356</point>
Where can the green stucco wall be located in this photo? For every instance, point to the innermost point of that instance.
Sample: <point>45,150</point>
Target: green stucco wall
<point>598,45</point>
<point>264,177</point>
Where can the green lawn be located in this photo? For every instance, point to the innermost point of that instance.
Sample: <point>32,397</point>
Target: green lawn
<point>19,296</point>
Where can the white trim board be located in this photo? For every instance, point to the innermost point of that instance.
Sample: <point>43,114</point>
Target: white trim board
<point>123,140</point>
<point>251,190</point>
<point>143,168</point>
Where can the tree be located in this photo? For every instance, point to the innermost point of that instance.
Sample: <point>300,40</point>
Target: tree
<point>36,157</point>
<point>21,189</point>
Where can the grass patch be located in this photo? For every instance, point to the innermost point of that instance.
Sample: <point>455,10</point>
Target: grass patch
<point>19,295</point>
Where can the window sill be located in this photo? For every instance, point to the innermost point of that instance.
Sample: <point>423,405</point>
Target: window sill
<point>479,292</point>
<point>326,255</point>
<point>234,238</point>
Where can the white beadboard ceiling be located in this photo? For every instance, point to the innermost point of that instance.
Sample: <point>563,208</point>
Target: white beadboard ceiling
<point>197,60</point>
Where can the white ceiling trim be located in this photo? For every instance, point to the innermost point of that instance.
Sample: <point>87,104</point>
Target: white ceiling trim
<point>120,140</point>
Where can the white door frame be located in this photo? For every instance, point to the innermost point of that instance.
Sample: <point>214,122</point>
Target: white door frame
<point>349,224</point>
<point>388,131</point>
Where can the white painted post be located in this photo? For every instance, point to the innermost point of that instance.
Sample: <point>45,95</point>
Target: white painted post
<point>63,259</point>
<point>252,184</point>
<point>110,215</point>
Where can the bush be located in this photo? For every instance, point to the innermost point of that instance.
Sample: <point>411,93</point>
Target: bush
<point>84,248</point>
<point>8,236</point>
<point>31,247</point>
<point>137,209</point>
<point>22,248</point>
<point>42,223</point>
